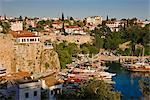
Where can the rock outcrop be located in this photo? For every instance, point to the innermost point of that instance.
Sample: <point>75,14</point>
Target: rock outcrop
<point>49,60</point>
<point>26,57</point>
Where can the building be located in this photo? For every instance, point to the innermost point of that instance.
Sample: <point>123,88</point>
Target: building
<point>53,86</point>
<point>2,71</point>
<point>16,25</point>
<point>20,86</point>
<point>25,37</point>
<point>71,29</point>
<point>30,22</point>
<point>1,28</point>
<point>74,30</point>
<point>114,25</point>
<point>29,89</point>
<point>48,45</point>
<point>94,20</point>
<point>57,25</point>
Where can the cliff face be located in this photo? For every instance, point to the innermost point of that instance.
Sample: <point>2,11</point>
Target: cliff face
<point>6,51</point>
<point>26,57</point>
<point>49,60</point>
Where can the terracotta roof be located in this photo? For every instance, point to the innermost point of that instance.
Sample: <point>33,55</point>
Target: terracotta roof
<point>16,76</point>
<point>73,27</point>
<point>23,34</point>
<point>57,23</point>
<point>50,81</point>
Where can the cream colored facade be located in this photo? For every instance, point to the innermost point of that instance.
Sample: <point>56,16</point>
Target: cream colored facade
<point>17,26</point>
<point>94,20</point>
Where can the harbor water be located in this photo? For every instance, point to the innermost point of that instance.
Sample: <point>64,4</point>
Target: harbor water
<point>127,82</point>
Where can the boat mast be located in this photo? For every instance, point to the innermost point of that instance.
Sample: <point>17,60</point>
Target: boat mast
<point>143,56</point>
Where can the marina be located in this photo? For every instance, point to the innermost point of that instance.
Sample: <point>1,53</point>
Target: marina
<point>127,82</point>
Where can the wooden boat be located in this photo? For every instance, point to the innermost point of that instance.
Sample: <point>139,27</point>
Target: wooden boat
<point>139,67</point>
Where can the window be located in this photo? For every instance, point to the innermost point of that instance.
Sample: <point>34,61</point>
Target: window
<point>31,39</point>
<point>26,95</point>
<point>52,92</point>
<point>35,93</point>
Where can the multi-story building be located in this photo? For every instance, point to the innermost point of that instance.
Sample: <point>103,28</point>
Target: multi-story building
<point>20,86</point>
<point>30,22</point>
<point>74,30</point>
<point>57,25</point>
<point>94,20</point>
<point>53,86</point>
<point>114,25</point>
<point>25,37</point>
<point>16,25</point>
<point>29,89</point>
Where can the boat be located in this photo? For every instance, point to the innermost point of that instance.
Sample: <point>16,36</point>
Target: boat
<point>141,66</point>
<point>105,75</point>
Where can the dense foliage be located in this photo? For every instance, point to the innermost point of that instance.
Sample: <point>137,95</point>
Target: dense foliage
<point>92,90</point>
<point>5,26</point>
<point>145,87</point>
<point>137,35</point>
<point>68,50</point>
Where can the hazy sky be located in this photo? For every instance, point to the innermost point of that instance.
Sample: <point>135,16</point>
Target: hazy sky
<point>76,8</point>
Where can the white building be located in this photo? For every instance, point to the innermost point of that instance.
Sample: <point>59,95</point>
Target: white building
<point>94,20</point>
<point>29,89</point>
<point>25,37</point>
<point>31,22</point>
<point>57,25</point>
<point>1,28</point>
<point>114,25</point>
<point>74,30</point>
<point>16,26</point>
<point>20,86</point>
<point>53,86</point>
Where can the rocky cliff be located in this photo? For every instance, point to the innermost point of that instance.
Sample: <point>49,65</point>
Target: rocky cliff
<point>26,57</point>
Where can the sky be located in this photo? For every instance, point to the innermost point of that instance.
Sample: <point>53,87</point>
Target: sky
<point>76,8</point>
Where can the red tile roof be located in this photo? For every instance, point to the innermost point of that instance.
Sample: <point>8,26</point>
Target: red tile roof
<point>23,34</point>
<point>73,27</point>
<point>15,76</point>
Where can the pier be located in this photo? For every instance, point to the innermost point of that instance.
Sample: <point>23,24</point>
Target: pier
<point>118,58</point>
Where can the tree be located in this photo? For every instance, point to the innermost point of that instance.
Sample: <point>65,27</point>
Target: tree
<point>107,19</point>
<point>113,19</point>
<point>71,18</point>
<point>113,40</point>
<point>92,90</point>
<point>20,18</point>
<point>144,85</point>
<point>40,25</point>
<point>98,89</point>
<point>88,48</point>
<point>6,27</point>
<point>62,18</point>
<point>65,52</point>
